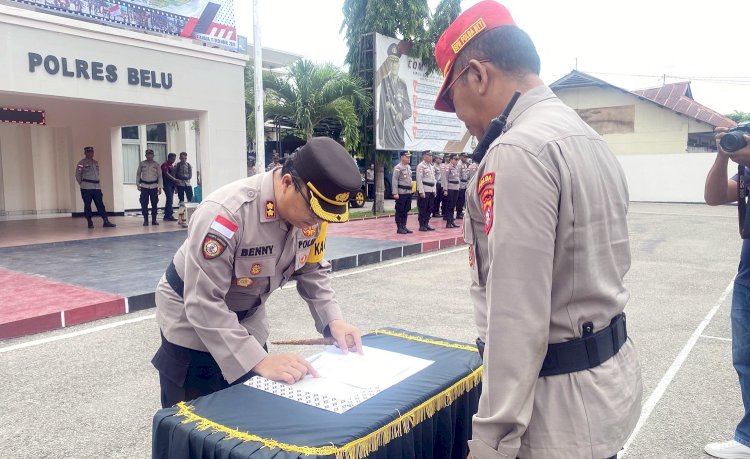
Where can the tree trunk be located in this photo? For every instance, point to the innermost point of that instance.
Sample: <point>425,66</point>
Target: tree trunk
<point>377,204</point>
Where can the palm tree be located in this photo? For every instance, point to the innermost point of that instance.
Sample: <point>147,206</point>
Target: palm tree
<point>408,20</point>
<point>310,93</point>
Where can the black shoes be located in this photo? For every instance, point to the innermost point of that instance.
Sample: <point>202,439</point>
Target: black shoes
<point>90,223</point>
<point>108,224</point>
<point>170,219</point>
<point>429,228</point>
<point>154,222</point>
<point>423,228</point>
<point>145,222</point>
<point>452,225</point>
<point>408,230</point>
<point>401,230</point>
<point>460,217</point>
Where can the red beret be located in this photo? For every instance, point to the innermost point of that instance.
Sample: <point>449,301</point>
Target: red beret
<point>485,15</point>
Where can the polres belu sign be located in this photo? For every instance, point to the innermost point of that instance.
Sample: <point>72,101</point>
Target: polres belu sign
<point>97,71</point>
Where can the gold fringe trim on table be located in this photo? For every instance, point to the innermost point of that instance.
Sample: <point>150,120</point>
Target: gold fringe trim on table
<point>463,347</point>
<point>356,449</point>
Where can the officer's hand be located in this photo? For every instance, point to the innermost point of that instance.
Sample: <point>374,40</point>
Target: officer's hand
<point>395,196</point>
<point>347,336</point>
<point>158,191</point>
<point>289,368</point>
<point>445,193</point>
<point>139,187</point>
<point>421,195</point>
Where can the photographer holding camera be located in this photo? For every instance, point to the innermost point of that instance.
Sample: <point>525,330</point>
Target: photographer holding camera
<point>733,144</point>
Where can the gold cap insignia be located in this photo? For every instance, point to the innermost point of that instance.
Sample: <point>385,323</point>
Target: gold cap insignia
<point>342,197</point>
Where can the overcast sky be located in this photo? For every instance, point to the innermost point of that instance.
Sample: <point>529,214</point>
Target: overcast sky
<point>631,44</point>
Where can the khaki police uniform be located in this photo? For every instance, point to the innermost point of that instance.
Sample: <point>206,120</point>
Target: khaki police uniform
<point>463,173</point>
<point>184,172</point>
<point>425,185</point>
<point>148,177</point>
<point>548,250</point>
<point>211,302</point>
<point>451,183</point>
<point>401,184</point>
<point>87,176</point>
<point>438,168</point>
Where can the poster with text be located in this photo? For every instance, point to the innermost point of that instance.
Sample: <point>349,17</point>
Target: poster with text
<point>211,21</point>
<point>405,113</point>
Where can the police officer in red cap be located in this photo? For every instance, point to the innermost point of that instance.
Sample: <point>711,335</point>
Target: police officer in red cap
<point>561,378</point>
<point>244,241</point>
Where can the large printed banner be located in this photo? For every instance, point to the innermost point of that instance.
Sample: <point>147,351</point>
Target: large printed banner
<point>405,100</point>
<point>211,21</point>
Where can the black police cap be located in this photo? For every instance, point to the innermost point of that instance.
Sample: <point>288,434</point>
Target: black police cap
<point>331,176</point>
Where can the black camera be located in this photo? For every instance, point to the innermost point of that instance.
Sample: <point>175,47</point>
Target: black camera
<point>733,140</point>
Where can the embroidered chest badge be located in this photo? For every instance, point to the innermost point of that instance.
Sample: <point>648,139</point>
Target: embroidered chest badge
<point>256,269</point>
<point>244,282</point>
<point>213,246</point>
<point>310,231</point>
<point>270,209</point>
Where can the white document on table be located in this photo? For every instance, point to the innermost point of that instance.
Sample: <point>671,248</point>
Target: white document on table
<point>346,380</point>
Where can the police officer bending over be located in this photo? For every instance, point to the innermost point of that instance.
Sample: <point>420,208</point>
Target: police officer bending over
<point>244,241</point>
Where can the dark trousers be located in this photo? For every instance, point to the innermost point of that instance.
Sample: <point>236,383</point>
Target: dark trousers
<point>425,206</point>
<point>460,201</point>
<point>438,200</point>
<point>169,194</point>
<point>450,205</point>
<point>370,191</point>
<point>96,196</point>
<point>146,195</point>
<point>185,192</point>
<point>403,206</point>
<point>186,374</point>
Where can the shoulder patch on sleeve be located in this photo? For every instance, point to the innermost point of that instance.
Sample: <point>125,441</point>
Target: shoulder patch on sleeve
<point>224,226</point>
<point>213,246</point>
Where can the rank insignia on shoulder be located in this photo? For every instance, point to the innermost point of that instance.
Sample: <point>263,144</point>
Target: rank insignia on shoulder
<point>244,282</point>
<point>270,209</point>
<point>213,246</point>
<point>256,269</point>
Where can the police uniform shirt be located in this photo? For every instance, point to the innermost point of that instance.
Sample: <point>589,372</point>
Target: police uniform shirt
<point>87,174</point>
<point>471,170</point>
<point>183,172</point>
<point>451,177</point>
<point>463,173</point>
<point>438,171</point>
<point>148,174</point>
<point>401,180</point>
<point>548,249</point>
<point>237,252</point>
<point>425,178</point>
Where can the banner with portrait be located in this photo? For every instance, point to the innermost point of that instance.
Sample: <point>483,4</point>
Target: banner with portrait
<point>210,21</point>
<point>404,103</point>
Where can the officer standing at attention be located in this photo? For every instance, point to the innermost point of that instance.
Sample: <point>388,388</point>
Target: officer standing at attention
<point>463,168</point>
<point>401,184</point>
<point>184,172</point>
<point>451,182</point>
<point>87,176</point>
<point>246,240</point>
<point>274,162</point>
<point>426,189</point>
<point>438,167</point>
<point>148,181</point>
<point>561,379</point>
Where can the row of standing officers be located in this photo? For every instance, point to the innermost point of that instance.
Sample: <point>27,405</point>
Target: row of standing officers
<point>438,185</point>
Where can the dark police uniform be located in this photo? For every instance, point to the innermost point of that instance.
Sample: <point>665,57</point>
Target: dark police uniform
<point>401,187</point>
<point>211,303</point>
<point>87,176</point>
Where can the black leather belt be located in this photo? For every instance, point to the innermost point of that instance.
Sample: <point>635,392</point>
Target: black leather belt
<point>90,181</point>
<point>464,181</point>
<point>428,184</point>
<point>149,183</point>
<point>589,351</point>
<point>404,187</point>
<point>451,181</point>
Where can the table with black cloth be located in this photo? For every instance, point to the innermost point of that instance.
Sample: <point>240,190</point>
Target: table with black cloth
<point>427,415</point>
